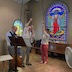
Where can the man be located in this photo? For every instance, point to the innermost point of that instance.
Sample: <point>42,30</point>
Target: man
<point>27,39</point>
<point>11,33</point>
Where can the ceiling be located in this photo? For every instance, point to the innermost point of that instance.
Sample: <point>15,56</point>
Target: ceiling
<point>24,1</point>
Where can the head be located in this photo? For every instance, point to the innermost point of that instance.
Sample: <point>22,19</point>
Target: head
<point>56,16</point>
<point>30,24</point>
<point>14,28</point>
<point>30,28</point>
<point>47,30</point>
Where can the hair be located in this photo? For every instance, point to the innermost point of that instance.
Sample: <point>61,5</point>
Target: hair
<point>47,30</point>
<point>14,28</point>
<point>30,24</point>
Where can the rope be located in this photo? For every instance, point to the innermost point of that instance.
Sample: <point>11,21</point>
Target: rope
<point>42,17</point>
<point>21,9</point>
<point>42,11</point>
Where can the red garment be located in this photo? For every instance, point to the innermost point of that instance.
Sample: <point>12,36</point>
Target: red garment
<point>44,53</point>
<point>55,26</point>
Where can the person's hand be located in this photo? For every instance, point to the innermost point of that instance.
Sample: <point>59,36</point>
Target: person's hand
<point>30,19</point>
<point>43,23</point>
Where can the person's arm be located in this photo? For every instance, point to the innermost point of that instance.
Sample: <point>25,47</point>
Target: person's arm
<point>28,22</point>
<point>32,31</point>
<point>7,38</point>
<point>43,27</point>
<point>44,31</point>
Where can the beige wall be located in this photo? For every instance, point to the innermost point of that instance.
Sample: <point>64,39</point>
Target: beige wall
<point>37,16</point>
<point>9,11</point>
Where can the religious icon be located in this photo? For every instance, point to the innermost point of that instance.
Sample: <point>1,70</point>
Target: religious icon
<point>56,21</point>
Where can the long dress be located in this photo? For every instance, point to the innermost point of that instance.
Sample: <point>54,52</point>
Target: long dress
<point>55,26</point>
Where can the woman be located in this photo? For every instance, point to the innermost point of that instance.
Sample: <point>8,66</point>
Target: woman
<point>44,45</point>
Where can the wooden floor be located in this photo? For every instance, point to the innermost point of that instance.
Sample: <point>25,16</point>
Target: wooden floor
<point>54,65</point>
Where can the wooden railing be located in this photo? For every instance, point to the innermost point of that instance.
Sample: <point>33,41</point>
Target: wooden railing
<point>55,48</point>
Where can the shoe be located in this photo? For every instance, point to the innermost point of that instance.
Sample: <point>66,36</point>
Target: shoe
<point>14,70</point>
<point>23,66</point>
<point>41,62</point>
<point>10,70</point>
<point>45,62</point>
<point>28,64</point>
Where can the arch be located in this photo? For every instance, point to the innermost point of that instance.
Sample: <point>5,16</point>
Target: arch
<point>56,1</point>
<point>56,19</point>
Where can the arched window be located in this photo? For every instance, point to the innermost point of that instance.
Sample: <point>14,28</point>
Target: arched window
<point>19,26</point>
<point>56,19</point>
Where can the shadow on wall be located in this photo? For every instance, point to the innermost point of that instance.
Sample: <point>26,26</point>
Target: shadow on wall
<point>3,47</point>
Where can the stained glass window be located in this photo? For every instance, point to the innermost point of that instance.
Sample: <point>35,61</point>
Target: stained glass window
<point>19,26</point>
<point>56,19</point>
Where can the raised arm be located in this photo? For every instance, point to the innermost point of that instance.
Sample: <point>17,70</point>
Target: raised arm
<point>44,29</point>
<point>32,30</point>
<point>28,22</point>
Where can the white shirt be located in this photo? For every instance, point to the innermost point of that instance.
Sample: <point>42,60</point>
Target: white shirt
<point>45,39</point>
<point>26,33</point>
<point>7,37</point>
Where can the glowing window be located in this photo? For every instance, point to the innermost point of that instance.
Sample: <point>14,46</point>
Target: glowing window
<point>56,20</point>
<point>19,26</point>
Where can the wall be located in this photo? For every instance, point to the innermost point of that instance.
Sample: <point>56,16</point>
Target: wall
<point>38,17</point>
<point>9,11</point>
